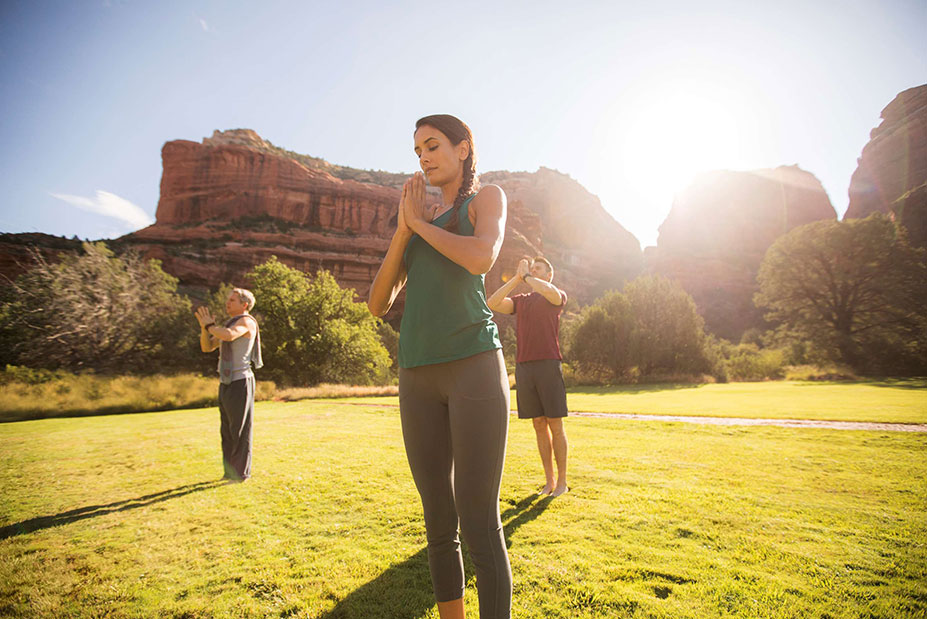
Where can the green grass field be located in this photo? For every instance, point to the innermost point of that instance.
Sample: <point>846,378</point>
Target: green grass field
<point>123,516</point>
<point>892,401</point>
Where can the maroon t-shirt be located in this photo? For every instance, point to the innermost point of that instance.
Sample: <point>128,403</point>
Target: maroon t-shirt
<point>537,327</point>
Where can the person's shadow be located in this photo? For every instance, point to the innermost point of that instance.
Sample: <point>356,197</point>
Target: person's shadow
<point>410,581</point>
<point>92,511</point>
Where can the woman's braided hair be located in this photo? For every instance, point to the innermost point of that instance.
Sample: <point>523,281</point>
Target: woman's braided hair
<point>456,131</point>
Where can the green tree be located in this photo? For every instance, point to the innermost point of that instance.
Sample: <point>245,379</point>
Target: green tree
<point>855,288</point>
<point>96,311</point>
<point>651,328</point>
<point>668,334</point>
<point>599,346</point>
<point>312,330</point>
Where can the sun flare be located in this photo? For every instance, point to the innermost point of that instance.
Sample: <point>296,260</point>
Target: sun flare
<point>654,141</point>
<point>672,136</point>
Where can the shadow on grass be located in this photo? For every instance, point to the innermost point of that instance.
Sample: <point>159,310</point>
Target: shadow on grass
<point>899,383</point>
<point>92,511</point>
<point>405,588</point>
<point>894,383</point>
<point>116,409</point>
<point>630,389</point>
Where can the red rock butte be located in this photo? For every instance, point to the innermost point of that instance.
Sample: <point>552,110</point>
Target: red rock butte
<point>891,176</point>
<point>235,199</point>
<point>718,231</point>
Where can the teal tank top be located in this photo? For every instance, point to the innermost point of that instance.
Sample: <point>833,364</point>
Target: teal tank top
<point>446,317</point>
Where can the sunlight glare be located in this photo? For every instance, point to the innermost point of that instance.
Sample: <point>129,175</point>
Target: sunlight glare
<point>654,141</point>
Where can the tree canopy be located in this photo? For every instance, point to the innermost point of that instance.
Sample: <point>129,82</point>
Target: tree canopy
<point>95,311</point>
<point>312,330</point>
<point>651,328</point>
<point>855,288</point>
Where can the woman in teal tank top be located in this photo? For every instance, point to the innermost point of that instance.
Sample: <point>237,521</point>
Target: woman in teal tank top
<point>453,387</point>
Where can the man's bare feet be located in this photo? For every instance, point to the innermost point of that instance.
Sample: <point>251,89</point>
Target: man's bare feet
<point>560,490</point>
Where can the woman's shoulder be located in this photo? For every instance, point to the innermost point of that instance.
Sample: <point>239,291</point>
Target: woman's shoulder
<point>490,192</point>
<point>490,196</point>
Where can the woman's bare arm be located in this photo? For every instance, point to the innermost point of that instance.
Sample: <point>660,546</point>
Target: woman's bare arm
<point>475,253</point>
<point>391,276</point>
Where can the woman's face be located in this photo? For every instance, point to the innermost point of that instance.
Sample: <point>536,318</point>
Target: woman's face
<point>441,161</point>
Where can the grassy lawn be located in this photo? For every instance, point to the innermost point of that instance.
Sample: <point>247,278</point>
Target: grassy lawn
<point>894,401</point>
<point>123,516</point>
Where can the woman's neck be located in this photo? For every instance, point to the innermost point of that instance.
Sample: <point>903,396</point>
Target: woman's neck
<point>449,191</point>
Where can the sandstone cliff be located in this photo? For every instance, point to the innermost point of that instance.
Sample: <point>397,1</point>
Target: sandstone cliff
<point>892,171</point>
<point>16,251</point>
<point>590,251</point>
<point>234,200</point>
<point>719,229</point>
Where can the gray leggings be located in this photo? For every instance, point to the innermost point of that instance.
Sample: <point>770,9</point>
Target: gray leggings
<point>455,419</point>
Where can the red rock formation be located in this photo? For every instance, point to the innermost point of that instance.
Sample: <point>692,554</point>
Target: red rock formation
<point>218,181</point>
<point>893,165</point>
<point>235,200</point>
<point>590,251</point>
<point>16,251</point>
<point>719,229</point>
<point>232,201</point>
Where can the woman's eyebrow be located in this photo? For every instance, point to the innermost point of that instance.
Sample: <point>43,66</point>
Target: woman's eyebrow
<point>431,139</point>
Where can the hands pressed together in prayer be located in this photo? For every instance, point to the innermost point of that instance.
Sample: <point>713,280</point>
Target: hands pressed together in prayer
<point>524,268</point>
<point>204,317</point>
<point>412,209</point>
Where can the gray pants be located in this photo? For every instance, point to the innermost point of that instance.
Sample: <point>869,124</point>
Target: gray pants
<point>236,409</point>
<point>455,420</point>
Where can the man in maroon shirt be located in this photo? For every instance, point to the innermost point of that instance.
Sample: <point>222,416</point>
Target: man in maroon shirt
<point>538,374</point>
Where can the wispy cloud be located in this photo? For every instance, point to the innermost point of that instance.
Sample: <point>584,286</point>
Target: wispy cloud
<point>203,24</point>
<point>110,205</point>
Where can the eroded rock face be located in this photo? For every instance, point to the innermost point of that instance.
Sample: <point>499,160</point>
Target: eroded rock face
<point>234,200</point>
<point>204,182</point>
<point>718,231</point>
<point>17,251</point>
<point>589,250</point>
<point>892,170</point>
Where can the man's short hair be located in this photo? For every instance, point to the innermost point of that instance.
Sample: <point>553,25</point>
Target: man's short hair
<point>245,296</point>
<point>545,262</point>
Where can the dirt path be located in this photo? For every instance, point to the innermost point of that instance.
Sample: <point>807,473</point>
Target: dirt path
<point>745,421</point>
<point>784,423</point>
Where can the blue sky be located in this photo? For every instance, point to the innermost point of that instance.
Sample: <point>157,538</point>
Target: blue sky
<point>629,98</point>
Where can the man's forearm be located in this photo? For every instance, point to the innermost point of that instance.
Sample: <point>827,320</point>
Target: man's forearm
<point>502,292</point>
<point>546,289</point>
<point>206,344</point>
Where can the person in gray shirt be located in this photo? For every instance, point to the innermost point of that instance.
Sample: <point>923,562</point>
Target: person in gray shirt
<point>239,344</point>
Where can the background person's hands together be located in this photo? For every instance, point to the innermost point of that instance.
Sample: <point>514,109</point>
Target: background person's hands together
<point>204,316</point>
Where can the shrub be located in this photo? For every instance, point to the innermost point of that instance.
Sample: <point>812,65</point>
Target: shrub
<point>67,394</point>
<point>313,331</point>
<point>829,372</point>
<point>747,362</point>
<point>98,311</point>
<point>652,329</point>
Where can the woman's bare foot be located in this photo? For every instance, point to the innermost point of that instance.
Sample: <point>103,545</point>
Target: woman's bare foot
<point>561,489</point>
<point>547,489</point>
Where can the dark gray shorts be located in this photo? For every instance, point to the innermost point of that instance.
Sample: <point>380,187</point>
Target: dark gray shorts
<point>539,389</point>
